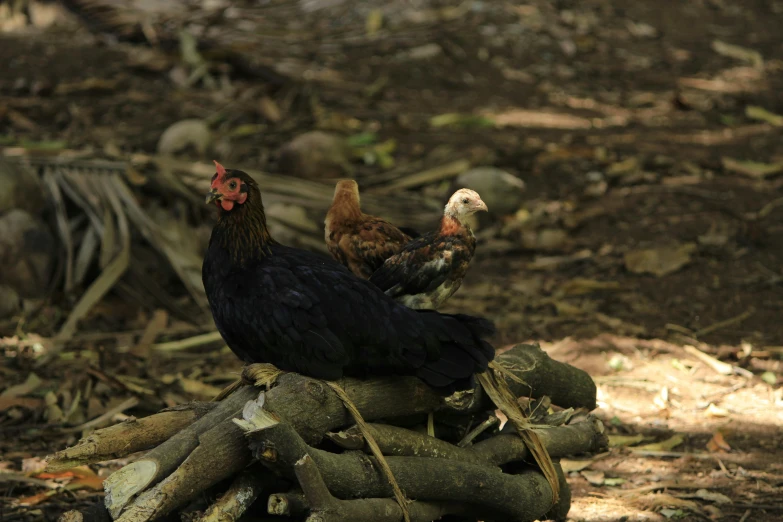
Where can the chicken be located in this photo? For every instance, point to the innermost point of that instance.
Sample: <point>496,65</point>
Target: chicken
<point>357,240</point>
<point>428,270</point>
<point>306,313</point>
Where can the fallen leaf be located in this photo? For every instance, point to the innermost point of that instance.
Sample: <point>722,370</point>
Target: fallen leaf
<point>269,109</point>
<point>33,465</point>
<point>92,482</point>
<point>28,386</point>
<point>616,481</point>
<point>770,378</point>
<point>717,444</point>
<point>620,362</point>
<point>667,502</point>
<point>760,113</point>
<point>460,120</point>
<point>421,52</point>
<point>35,499</point>
<point>739,53</point>
<point>198,388</point>
<point>621,168</point>
<point>596,478</point>
<point>374,22</point>
<point>641,29</point>
<point>714,411</point>
<point>672,513</point>
<point>713,512</point>
<point>582,286</point>
<point>665,445</point>
<point>539,119</point>
<point>88,85</point>
<point>659,261</point>
<point>569,465</point>
<point>716,236</point>
<point>21,402</point>
<point>156,324</point>
<point>21,121</point>
<point>752,169</point>
<point>43,145</point>
<point>718,498</point>
<point>247,129</point>
<point>54,414</point>
<point>80,477</point>
<point>626,440</point>
<point>362,139</point>
<point>662,399</point>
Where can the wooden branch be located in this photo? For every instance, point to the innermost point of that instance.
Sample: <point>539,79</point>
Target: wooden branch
<point>350,475</point>
<point>566,385</point>
<point>122,485</point>
<point>583,437</point>
<point>313,409</point>
<point>128,437</point>
<point>240,496</point>
<point>221,452</point>
<point>586,436</point>
<point>325,508</point>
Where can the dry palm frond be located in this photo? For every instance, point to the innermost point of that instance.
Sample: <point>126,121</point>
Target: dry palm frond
<point>498,391</point>
<point>261,374</point>
<point>373,445</point>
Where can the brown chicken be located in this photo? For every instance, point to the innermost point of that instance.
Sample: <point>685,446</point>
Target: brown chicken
<point>359,241</point>
<point>428,270</point>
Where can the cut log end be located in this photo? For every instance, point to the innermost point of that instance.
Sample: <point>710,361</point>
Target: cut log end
<point>122,485</point>
<point>292,504</point>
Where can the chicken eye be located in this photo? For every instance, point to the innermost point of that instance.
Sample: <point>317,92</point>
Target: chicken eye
<point>232,185</point>
<point>465,201</point>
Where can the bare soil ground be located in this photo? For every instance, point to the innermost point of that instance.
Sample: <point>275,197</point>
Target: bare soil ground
<point>637,130</point>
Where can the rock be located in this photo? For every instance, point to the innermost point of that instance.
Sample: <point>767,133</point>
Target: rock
<point>315,155</point>
<point>21,189</point>
<point>27,253</point>
<point>10,302</point>
<point>502,192</point>
<point>185,134</point>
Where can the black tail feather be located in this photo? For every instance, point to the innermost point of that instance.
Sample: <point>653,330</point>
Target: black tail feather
<point>464,351</point>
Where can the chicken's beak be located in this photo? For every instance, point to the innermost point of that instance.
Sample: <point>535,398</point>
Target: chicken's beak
<point>213,196</point>
<point>481,206</point>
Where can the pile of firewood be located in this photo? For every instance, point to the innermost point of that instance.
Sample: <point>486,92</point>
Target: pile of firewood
<point>292,451</point>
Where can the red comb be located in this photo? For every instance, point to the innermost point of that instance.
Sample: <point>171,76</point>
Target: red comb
<point>220,169</point>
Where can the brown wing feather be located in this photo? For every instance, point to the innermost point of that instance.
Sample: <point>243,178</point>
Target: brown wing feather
<point>364,246</point>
